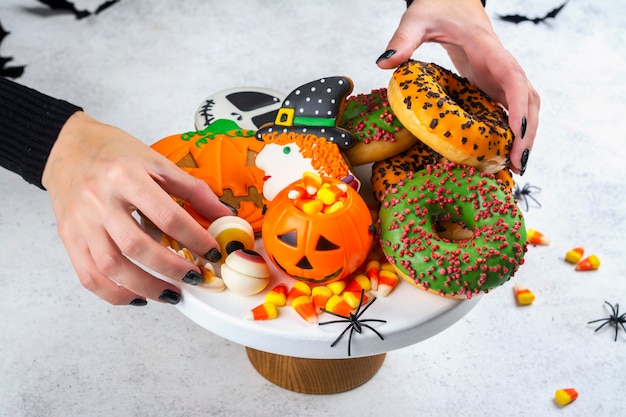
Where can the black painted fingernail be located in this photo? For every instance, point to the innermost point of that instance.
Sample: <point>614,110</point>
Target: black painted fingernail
<point>524,161</point>
<point>170,296</point>
<point>213,255</point>
<point>193,278</point>
<point>138,302</point>
<point>386,55</point>
<point>231,208</point>
<point>523,126</point>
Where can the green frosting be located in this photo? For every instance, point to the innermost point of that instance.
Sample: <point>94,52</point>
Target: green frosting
<point>407,227</point>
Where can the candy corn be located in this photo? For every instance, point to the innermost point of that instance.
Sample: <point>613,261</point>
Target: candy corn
<point>372,270</point>
<point>320,296</point>
<point>574,256</point>
<point>297,192</point>
<point>358,283</point>
<point>387,281</point>
<point>336,304</point>
<point>523,295</point>
<point>353,299</point>
<point>336,206</point>
<point>305,308</point>
<point>309,206</point>
<point>537,238</point>
<point>210,281</point>
<point>299,288</point>
<point>277,295</point>
<point>588,264</point>
<point>329,194</point>
<point>312,182</point>
<point>265,311</point>
<point>565,396</point>
<point>337,287</point>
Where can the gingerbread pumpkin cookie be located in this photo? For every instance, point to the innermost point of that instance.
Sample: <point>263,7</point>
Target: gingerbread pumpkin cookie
<point>225,159</point>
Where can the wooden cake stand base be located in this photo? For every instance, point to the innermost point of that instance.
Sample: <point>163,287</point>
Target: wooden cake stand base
<point>315,376</point>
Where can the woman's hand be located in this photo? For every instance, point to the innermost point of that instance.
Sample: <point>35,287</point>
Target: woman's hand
<point>97,175</point>
<point>463,28</point>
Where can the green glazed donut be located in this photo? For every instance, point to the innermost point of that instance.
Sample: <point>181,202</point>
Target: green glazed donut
<point>407,227</point>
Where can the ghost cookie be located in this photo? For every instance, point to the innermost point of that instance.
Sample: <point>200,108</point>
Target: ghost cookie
<point>248,107</point>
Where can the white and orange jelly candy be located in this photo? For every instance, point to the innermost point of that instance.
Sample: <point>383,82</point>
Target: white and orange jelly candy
<point>299,288</point>
<point>329,194</point>
<point>358,283</point>
<point>305,308</point>
<point>387,281</point>
<point>565,396</point>
<point>337,287</point>
<point>320,295</point>
<point>312,182</point>
<point>537,238</point>
<point>336,304</point>
<point>265,311</point>
<point>574,256</point>
<point>523,295</point>
<point>245,272</point>
<point>353,299</point>
<point>372,269</point>
<point>277,295</point>
<point>232,233</point>
<point>590,263</point>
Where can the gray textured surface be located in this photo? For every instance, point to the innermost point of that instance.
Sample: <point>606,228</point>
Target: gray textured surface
<point>146,66</point>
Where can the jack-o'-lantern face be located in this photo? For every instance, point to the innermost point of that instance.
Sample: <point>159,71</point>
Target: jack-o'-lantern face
<point>226,162</point>
<point>317,247</point>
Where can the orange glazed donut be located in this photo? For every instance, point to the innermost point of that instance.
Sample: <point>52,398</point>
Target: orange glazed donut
<point>451,116</point>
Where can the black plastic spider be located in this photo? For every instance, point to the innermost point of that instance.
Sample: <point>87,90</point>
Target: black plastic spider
<point>525,193</point>
<point>354,322</point>
<point>615,319</point>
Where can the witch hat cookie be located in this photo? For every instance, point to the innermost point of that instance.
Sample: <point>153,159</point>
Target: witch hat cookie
<point>314,108</point>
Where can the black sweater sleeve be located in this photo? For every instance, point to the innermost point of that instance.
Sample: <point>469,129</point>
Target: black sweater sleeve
<point>29,125</point>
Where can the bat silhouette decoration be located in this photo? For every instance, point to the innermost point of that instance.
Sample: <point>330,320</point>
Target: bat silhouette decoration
<point>516,18</point>
<point>71,8</point>
<point>8,71</point>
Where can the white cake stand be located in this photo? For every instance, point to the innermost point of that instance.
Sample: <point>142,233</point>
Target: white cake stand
<point>298,356</point>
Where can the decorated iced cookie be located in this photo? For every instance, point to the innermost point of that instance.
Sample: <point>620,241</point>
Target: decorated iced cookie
<point>287,156</point>
<point>249,107</point>
<point>305,137</point>
<point>225,159</point>
<point>314,108</point>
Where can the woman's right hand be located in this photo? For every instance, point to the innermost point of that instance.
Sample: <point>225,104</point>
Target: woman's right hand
<point>98,175</point>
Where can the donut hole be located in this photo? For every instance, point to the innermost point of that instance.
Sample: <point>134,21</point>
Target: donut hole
<point>452,230</point>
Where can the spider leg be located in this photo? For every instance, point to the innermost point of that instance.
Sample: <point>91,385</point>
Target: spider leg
<point>613,309</point>
<point>374,330</point>
<point>534,199</point>
<point>359,313</point>
<point>376,320</point>
<point>607,321</point>
<point>350,342</point>
<point>335,314</point>
<point>333,321</point>
<point>525,200</point>
<point>341,335</point>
